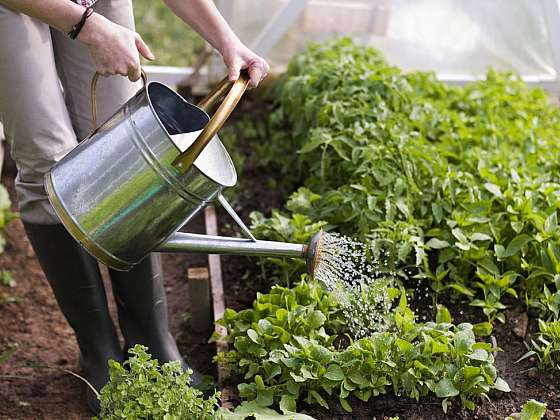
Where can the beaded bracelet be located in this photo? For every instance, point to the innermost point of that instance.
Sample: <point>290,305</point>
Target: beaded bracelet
<point>78,26</point>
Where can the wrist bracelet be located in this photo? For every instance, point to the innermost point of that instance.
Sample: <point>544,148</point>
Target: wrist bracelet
<point>78,26</point>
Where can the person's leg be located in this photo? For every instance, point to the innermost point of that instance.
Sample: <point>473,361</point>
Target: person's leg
<point>39,131</point>
<point>140,294</point>
<point>142,306</point>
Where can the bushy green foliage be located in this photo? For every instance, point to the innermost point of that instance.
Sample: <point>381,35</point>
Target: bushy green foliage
<point>460,183</point>
<point>141,388</point>
<point>6,215</point>
<point>292,346</point>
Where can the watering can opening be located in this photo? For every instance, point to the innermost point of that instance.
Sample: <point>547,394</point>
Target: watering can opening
<point>183,122</point>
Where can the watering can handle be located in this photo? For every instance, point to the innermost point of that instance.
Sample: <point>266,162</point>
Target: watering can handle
<point>236,89</point>
<point>94,95</point>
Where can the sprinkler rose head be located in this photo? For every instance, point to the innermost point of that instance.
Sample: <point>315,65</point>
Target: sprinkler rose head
<point>313,252</point>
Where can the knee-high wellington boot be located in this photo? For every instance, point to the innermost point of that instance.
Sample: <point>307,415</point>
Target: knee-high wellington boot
<point>142,307</point>
<point>78,287</point>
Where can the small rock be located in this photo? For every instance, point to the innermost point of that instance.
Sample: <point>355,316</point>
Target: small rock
<point>531,373</point>
<point>520,323</point>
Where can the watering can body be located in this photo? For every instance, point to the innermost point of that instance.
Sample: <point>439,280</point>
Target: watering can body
<point>119,192</point>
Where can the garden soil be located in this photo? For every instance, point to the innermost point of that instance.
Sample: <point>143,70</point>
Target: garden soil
<point>30,318</point>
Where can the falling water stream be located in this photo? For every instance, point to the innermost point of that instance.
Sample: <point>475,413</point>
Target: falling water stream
<point>358,280</point>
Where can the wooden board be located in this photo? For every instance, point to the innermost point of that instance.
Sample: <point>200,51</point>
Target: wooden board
<point>200,301</point>
<point>217,288</point>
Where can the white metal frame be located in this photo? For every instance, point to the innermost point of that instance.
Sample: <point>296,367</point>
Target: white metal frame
<point>278,26</point>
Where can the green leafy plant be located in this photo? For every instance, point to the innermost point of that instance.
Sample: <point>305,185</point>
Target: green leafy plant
<point>532,410</point>
<point>293,346</point>
<point>141,388</point>
<point>457,183</point>
<point>6,215</point>
<point>546,347</point>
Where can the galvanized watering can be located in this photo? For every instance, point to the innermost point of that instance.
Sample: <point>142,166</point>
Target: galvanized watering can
<point>127,189</point>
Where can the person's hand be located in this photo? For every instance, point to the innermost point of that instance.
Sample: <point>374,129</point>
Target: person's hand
<point>113,47</point>
<point>238,57</point>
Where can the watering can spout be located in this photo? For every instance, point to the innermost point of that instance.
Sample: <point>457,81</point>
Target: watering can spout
<point>195,243</point>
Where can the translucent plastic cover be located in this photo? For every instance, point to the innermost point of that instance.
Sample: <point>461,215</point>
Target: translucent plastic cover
<point>455,37</point>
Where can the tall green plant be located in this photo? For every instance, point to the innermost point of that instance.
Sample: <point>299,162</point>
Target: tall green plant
<point>459,184</point>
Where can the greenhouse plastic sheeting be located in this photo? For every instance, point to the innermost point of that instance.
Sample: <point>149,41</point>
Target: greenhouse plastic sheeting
<point>464,37</point>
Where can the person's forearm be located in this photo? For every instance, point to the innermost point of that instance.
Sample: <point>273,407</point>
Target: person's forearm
<point>204,17</point>
<point>60,14</point>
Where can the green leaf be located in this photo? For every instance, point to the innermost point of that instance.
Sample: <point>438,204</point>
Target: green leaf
<point>533,410</point>
<point>501,385</point>
<point>265,397</point>
<point>437,212</point>
<point>516,244</point>
<point>443,314</point>
<point>461,289</point>
<point>345,405</point>
<point>494,189</point>
<point>445,388</point>
<point>551,224</point>
<point>334,373</point>
<point>253,336</point>
<point>316,319</point>
<point>436,243</point>
<point>287,404</point>
<point>479,354</point>
<point>317,397</point>
<point>480,237</point>
<point>482,329</point>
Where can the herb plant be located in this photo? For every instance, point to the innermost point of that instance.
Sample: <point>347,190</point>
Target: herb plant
<point>141,388</point>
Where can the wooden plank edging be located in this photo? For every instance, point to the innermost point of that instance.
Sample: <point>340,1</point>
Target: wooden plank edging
<point>218,303</point>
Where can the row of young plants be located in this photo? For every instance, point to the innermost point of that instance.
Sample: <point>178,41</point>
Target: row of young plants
<point>293,345</point>
<point>459,185</point>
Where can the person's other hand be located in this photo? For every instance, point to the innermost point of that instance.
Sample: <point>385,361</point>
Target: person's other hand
<point>238,57</point>
<point>114,48</point>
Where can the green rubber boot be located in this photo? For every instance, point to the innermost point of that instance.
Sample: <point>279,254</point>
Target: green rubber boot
<point>78,287</point>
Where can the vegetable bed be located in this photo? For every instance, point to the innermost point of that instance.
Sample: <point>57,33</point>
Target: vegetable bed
<point>455,191</point>
<point>456,187</point>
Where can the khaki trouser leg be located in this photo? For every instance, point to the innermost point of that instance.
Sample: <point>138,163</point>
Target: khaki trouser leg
<point>41,122</point>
